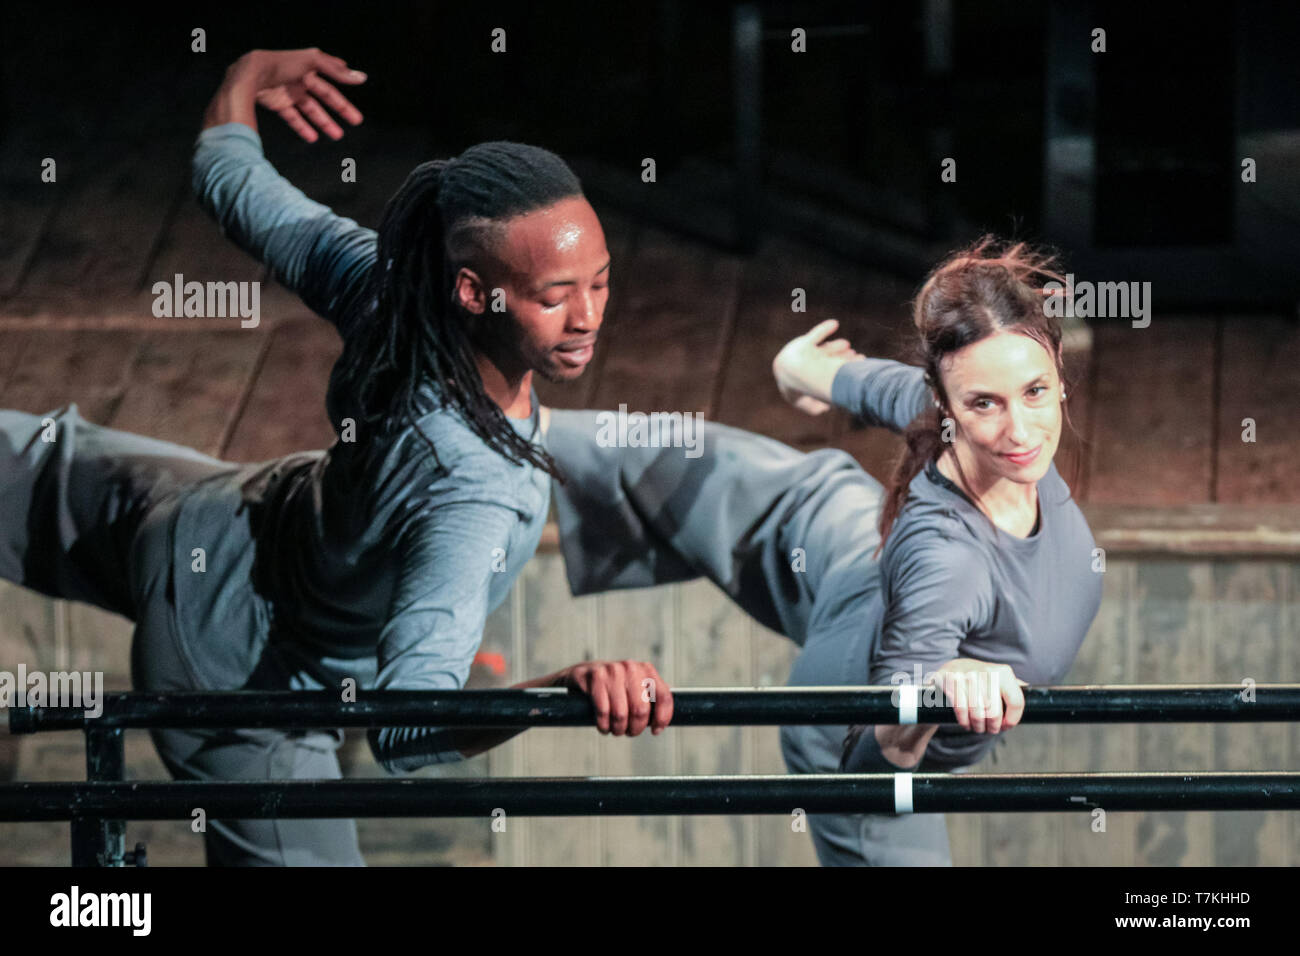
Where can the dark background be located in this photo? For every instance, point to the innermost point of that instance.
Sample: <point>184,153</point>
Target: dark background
<point>847,138</point>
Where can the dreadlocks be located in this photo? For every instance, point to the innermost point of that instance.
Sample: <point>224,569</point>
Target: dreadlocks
<point>445,213</point>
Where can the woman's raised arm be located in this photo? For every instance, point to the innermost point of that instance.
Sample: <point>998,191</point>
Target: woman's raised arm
<point>814,374</point>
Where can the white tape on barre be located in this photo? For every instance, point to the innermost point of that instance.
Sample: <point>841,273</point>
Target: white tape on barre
<point>902,793</point>
<point>909,696</point>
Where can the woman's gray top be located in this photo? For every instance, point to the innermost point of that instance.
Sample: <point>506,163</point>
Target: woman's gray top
<point>790,537</point>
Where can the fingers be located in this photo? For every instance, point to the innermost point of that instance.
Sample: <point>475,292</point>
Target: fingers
<point>316,113</point>
<point>296,123</point>
<point>954,690</point>
<point>627,696</point>
<point>618,698</point>
<point>1014,698</point>
<point>663,705</point>
<point>822,329</point>
<point>985,698</point>
<point>599,693</point>
<point>331,97</point>
<point>811,406</point>
<point>337,68</point>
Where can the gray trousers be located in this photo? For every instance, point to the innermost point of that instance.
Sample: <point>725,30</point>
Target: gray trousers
<point>88,517</point>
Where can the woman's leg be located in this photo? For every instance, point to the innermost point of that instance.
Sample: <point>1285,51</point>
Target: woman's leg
<point>853,839</point>
<point>772,526</point>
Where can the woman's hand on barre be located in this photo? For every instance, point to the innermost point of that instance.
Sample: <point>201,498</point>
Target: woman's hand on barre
<point>806,366</point>
<point>986,697</point>
<point>628,695</point>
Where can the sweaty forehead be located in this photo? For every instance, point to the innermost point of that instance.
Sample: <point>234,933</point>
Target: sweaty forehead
<point>566,235</point>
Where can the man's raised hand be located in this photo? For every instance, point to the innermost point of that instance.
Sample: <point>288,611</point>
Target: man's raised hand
<point>293,84</point>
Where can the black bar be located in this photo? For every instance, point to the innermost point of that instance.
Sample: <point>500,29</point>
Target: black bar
<point>96,841</point>
<point>619,796</point>
<point>556,707</point>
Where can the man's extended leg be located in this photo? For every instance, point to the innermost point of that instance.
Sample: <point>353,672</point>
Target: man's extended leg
<point>72,494</point>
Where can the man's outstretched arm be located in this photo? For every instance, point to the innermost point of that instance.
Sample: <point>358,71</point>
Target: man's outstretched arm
<point>322,257</point>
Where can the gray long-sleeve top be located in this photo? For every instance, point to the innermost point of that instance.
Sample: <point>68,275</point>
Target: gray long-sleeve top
<point>946,585</point>
<point>371,563</point>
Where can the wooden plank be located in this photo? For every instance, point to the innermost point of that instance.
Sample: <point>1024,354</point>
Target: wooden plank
<point>966,838</point>
<point>748,397</point>
<point>560,631</point>
<point>1247,617</point>
<point>880,326</point>
<point>1072,454</point>
<point>712,645</point>
<point>61,122</point>
<point>13,342</point>
<point>776,842</point>
<point>1260,381</point>
<point>1197,530</point>
<point>187,388</point>
<point>1153,432</point>
<point>1106,657</point>
<point>28,630</point>
<point>285,408</point>
<point>1174,634</point>
<point>1022,839</point>
<point>666,349</point>
<point>99,641</point>
<point>638,625</point>
<point>59,367</point>
<point>505,635</point>
<point>117,200</point>
<point>26,203</point>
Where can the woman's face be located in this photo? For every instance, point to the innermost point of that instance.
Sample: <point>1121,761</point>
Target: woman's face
<point>1005,394</point>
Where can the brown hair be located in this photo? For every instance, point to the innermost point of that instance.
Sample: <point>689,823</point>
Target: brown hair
<point>987,287</point>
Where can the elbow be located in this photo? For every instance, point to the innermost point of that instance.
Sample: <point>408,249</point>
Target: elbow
<point>421,749</point>
<point>866,752</point>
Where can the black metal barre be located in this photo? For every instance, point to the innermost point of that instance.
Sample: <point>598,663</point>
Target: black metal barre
<point>558,707</point>
<point>617,796</point>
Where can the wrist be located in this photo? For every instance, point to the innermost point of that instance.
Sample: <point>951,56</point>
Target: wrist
<point>904,746</point>
<point>235,101</point>
<point>245,69</point>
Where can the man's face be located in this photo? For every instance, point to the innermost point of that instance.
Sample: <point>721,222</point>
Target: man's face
<point>1005,393</point>
<point>553,269</point>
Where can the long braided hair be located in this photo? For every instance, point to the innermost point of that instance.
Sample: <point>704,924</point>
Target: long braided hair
<point>411,332</point>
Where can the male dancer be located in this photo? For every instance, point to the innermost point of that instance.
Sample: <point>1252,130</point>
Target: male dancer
<point>378,560</point>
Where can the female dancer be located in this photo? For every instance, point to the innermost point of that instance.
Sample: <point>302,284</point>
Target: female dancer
<point>975,562</point>
<point>377,561</point>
